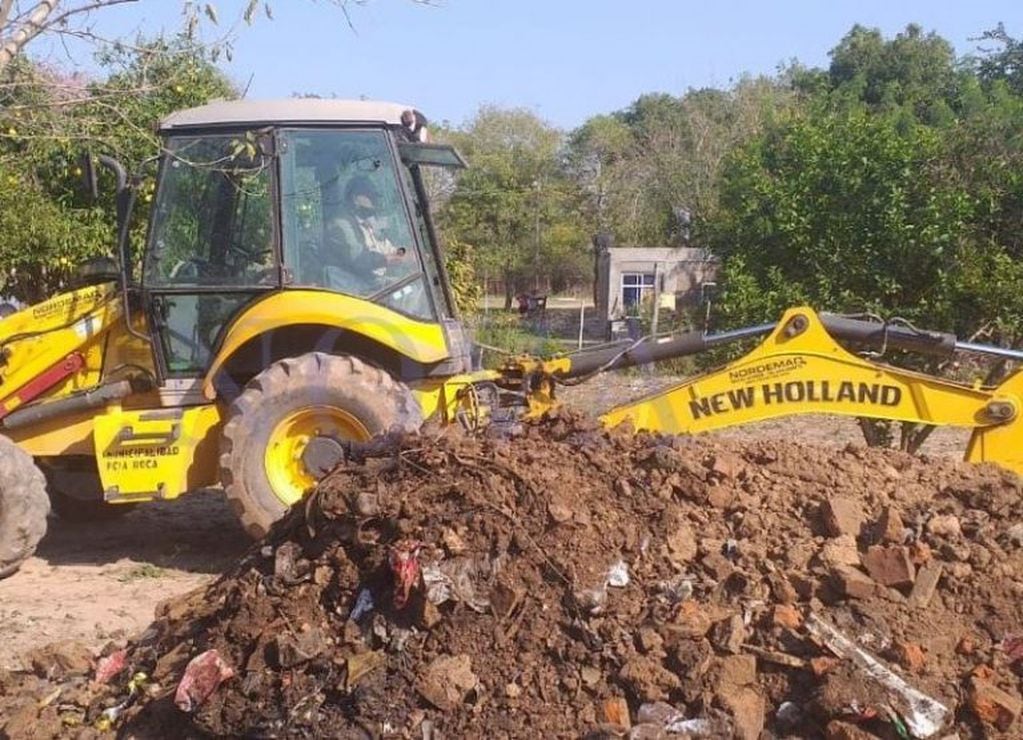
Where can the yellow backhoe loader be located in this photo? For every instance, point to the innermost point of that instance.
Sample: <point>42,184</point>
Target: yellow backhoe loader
<point>292,302</point>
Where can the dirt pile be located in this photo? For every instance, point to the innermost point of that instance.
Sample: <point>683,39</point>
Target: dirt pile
<point>576,582</point>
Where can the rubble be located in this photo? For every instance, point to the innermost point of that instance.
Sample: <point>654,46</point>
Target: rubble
<point>842,515</point>
<point>889,565</point>
<point>993,705</point>
<point>575,582</point>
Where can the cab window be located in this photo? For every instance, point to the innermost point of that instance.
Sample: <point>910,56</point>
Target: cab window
<point>212,221</point>
<point>345,223</point>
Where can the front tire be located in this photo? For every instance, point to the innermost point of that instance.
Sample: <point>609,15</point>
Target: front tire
<point>265,447</point>
<point>24,506</point>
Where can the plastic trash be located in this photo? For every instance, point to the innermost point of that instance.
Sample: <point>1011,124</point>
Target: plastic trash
<point>404,562</point>
<point>924,716</point>
<point>111,666</point>
<point>674,721</point>
<point>1012,646</point>
<point>618,575</point>
<point>458,579</point>
<point>363,605</point>
<point>203,675</point>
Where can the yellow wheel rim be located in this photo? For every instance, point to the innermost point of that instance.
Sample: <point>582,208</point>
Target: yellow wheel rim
<point>285,467</point>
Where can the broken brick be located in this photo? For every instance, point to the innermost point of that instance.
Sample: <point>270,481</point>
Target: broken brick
<point>747,708</point>
<point>681,542</point>
<point>993,705</point>
<point>945,525</point>
<point>840,550</point>
<point>853,583</point>
<point>919,552</point>
<point>842,516</point>
<point>889,566</point>
<point>734,672</point>
<point>720,497</point>
<point>890,528</point>
<point>782,589</point>
<point>925,584</point>
<point>649,640</point>
<point>786,616</point>
<point>729,634</point>
<point>615,711</point>
<point>822,664</point>
<point>691,620</point>
<point>910,656</point>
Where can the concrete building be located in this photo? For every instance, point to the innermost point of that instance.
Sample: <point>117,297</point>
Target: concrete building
<point>626,277</point>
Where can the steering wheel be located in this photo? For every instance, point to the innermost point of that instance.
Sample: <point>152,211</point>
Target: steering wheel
<point>190,270</point>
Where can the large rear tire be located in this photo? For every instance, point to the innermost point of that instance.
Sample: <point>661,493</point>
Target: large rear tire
<point>24,506</point>
<point>265,460</point>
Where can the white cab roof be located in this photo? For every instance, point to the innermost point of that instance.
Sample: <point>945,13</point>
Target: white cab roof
<point>291,110</point>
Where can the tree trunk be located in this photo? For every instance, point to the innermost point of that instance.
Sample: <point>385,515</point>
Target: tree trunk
<point>28,30</point>
<point>509,290</point>
<point>913,435</point>
<point>876,432</point>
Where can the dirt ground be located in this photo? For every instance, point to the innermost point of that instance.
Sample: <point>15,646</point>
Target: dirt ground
<point>100,581</point>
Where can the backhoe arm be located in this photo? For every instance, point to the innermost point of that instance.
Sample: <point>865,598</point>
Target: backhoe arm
<point>800,368</point>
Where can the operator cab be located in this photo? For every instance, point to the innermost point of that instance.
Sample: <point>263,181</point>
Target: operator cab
<point>257,196</point>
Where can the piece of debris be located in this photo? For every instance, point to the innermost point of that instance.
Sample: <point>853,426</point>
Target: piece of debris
<point>924,715</point>
<point>842,516</point>
<point>696,620</point>
<point>404,561</point>
<point>111,666</point>
<point>926,584</point>
<point>889,565</point>
<point>993,705</point>
<point>61,659</point>
<point>447,681</point>
<point>203,675</point>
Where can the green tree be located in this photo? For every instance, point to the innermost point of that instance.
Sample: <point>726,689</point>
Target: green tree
<point>846,211</point>
<point>640,165</point>
<point>1004,61</point>
<point>514,204</point>
<point>854,212</point>
<point>42,138</point>
<point>915,73</point>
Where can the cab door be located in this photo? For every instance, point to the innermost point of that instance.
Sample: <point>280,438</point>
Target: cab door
<point>213,244</point>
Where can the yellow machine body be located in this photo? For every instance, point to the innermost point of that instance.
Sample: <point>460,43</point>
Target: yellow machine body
<point>810,373</point>
<point>148,446</point>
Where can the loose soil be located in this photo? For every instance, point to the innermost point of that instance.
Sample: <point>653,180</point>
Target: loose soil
<point>572,582</point>
<point>91,581</point>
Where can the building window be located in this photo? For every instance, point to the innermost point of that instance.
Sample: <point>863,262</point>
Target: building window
<point>636,286</point>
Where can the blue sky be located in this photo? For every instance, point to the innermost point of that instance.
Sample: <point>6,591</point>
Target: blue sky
<point>564,59</point>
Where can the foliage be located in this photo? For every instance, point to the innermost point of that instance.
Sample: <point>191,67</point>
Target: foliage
<point>846,212</point>
<point>894,189</point>
<point>1002,64</point>
<point>515,204</point>
<point>504,332</point>
<point>914,73</point>
<point>458,259</point>
<point>49,119</point>
<point>640,167</point>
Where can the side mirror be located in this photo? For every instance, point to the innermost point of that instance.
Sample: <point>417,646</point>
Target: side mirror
<point>88,168</point>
